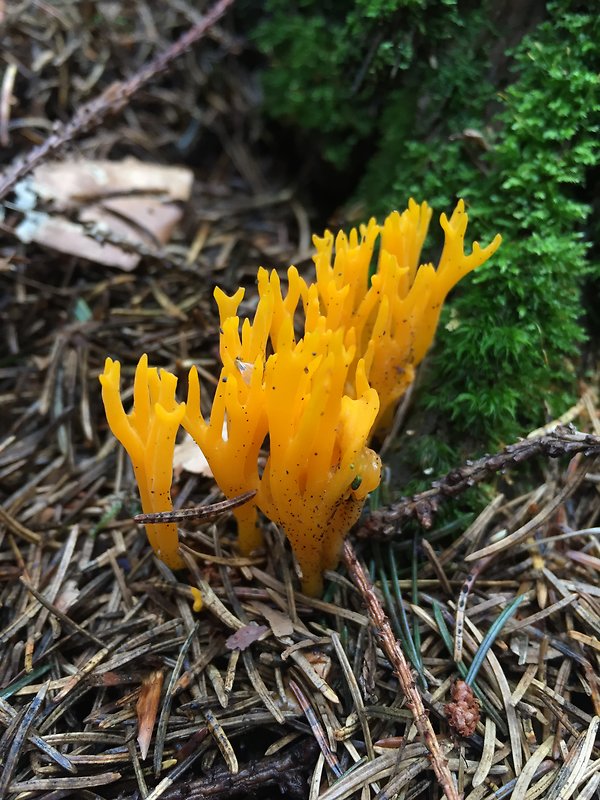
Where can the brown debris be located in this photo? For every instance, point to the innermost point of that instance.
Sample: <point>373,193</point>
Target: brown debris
<point>242,639</point>
<point>147,708</point>
<point>464,711</point>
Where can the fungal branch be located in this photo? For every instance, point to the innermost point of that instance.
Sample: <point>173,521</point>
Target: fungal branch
<point>232,438</point>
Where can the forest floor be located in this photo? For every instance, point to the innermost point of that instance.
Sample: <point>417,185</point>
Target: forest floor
<point>111,686</point>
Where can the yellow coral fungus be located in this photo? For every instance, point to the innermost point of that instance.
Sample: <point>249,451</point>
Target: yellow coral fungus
<point>319,469</point>
<point>148,435</point>
<point>283,308</point>
<point>198,602</point>
<point>251,345</point>
<point>310,375</point>
<point>395,317</point>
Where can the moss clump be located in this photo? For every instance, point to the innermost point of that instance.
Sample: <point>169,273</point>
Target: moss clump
<point>427,81</point>
<point>332,63</point>
<point>507,361</point>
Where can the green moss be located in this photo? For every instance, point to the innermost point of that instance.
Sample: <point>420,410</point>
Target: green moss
<point>427,81</point>
<point>505,366</point>
<point>332,63</point>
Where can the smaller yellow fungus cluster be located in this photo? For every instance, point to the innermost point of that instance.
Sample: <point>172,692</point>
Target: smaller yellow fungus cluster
<point>148,435</point>
<point>308,379</point>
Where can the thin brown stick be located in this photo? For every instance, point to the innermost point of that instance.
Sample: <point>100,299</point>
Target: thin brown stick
<point>203,513</point>
<point>402,670</point>
<point>112,100</point>
<point>14,526</point>
<point>564,441</point>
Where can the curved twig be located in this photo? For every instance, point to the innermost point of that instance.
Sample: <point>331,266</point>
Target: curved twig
<point>563,441</point>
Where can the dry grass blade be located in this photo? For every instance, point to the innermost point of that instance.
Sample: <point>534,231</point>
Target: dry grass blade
<point>227,751</point>
<point>89,666</point>
<point>590,788</point>
<point>20,729</point>
<point>14,526</point>
<point>585,612</point>
<point>165,711</point>
<point>374,771</point>
<point>260,688</point>
<point>43,601</point>
<point>522,533</point>
<point>355,692</point>
<point>212,603</point>
<point>540,615</point>
<point>61,785</point>
<point>530,769</point>
<point>403,777</point>
<point>487,754</point>
<point>572,771</point>
<point>437,568</point>
<point>7,714</point>
<point>461,606</point>
<point>173,777</point>
<point>317,729</point>
<point>310,673</point>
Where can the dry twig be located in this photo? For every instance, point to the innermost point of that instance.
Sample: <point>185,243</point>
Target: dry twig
<point>564,441</point>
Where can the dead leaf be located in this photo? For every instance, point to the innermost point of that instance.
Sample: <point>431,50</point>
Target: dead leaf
<point>144,219</point>
<point>69,237</point>
<point>243,638</point>
<point>124,201</point>
<point>280,623</point>
<point>147,709</point>
<point>189,457</point>
<point>67,183</point>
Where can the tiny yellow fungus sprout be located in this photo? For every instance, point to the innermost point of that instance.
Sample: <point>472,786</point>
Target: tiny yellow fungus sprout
<point>395,317</point>
<point>148,435</point>
<point>251,345</point>
<point>319,470</point>
<point>284,308</point>
<point>198,603</point>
